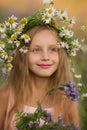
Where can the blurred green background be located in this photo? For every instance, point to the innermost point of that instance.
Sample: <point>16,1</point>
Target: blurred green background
<point>77,8</point>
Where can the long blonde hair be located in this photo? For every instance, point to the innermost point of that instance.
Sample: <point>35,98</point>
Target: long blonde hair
<point>19,79</point>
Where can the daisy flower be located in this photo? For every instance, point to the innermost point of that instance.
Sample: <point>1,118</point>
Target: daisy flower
<point>10,58</point>
<point>62,45</point>
<point>23,49</point>
<point>9,66</point>
<point>83,40</point>
<point>62,14</point>
<point>72,21</point>
<point>12,19</point>
<point>50,11</point>
<point>83,28</point>
<point>84,95</point>
<point>4,55</point>
<point>17,43</point>
<point>2,28</point>
<point>2,44</point>
<point>79,84</point>
<point>76,44</point>
<point>47,1</point>
<point>12,38</point>
<point>73,52</point>
<point>46,19</point>
<point>26,38</point>
<point>3,35</point>
<point>18,30</point>
<point>78,76</point>
<point>66,33</point>
<point>1,50</point>
<point>23,21</point>
<point>11,22</point>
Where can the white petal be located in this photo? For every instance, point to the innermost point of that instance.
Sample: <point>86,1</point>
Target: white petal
<point>47,1</point>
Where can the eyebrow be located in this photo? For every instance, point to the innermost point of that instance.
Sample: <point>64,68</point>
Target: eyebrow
<point>49,45</point>
<point>38,46</point>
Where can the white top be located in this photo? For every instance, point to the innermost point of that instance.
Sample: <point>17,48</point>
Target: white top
<point>26,109</point>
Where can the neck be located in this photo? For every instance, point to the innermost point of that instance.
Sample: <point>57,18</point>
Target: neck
<point>39,83</point>
<point>39,88</point>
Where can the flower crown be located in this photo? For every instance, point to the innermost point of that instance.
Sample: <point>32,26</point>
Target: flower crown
<point>13,32</point>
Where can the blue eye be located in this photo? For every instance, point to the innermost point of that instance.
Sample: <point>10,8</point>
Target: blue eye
<point>53,50</point>
<point>36,50</point>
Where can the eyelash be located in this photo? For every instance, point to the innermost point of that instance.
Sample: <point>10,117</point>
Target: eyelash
<point>53,49</point>
<point>37,50</point>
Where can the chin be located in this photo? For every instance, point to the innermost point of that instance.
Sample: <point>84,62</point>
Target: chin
<point>41,74</point>
<point>45,75</point>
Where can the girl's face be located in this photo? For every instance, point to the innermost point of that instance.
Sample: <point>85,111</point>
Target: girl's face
<point>43,54</point>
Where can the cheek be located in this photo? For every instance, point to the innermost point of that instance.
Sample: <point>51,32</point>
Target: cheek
<point>56,58</point>
<point>57,61</point>
<point>32,59</point>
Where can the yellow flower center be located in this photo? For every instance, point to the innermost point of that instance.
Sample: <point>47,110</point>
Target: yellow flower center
<point>18,42</point>
<point>16,30</point>
<point>5,53</point>
<point>26,36</point>
<point>23,21</point>
<point>11,20</point>
<point>2,26</point>
<point>62,11</point>
<point>50,11</point>
<point>2,42</point>
<point>9,65</point>
<point>13,37</point>
<point>46,17</point>
<point>10,58</point>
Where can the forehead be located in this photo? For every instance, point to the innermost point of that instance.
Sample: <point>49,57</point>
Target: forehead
<point>46,36</point>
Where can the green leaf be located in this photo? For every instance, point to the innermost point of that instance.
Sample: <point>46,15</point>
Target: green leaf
<point>32,21</point>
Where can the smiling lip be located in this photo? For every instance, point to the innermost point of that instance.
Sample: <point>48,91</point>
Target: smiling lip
<point>45,66</point>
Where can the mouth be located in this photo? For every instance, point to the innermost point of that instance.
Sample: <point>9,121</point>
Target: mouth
<point>44,66</point>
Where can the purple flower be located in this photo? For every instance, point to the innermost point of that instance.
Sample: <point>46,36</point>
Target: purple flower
<point>71,91</point>
<point>47,116</point>
<point>60,118</point>
<point>30,124</point>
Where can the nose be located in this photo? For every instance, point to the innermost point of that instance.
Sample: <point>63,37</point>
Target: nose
<point>45,56</point>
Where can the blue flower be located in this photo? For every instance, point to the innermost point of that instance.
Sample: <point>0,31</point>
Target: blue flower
<point>71,91</point>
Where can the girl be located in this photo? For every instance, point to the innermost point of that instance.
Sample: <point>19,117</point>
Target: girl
<point>33,74</point>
